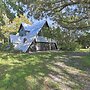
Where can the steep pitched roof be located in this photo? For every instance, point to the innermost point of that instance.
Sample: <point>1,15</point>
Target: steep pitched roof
<point>34,30</point>
<point>35,26</point>
<point>25,26</point>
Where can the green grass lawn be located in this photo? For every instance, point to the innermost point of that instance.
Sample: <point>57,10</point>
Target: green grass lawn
<point>39,71</point>
<point>85,50</point>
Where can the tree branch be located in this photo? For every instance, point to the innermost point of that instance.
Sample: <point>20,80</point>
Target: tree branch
<point>76,21</point>
<point>72,3</point>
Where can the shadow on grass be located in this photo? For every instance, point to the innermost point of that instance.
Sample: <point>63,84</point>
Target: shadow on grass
<point>29,71</point>
<point>75,59</point>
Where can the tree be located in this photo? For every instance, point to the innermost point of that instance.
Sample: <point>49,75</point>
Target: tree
<point>12,28</point>
<point>84,40</point>
<point>70,14</point>
<point>5,10</point>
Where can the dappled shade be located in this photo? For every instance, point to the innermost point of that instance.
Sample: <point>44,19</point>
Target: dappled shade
<point>42,71</point>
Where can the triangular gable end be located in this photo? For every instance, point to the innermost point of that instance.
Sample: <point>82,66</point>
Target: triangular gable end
<point>26,27</point>
<point>44,23</point>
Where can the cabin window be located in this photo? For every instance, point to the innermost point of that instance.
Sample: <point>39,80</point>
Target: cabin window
<point>33,46</point>
<point>24,40</point>
<point>53,46</point>
<point>22,32</point>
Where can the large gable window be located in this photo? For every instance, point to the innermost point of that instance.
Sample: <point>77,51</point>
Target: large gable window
<point>22,32</point>
<point>24,40</point>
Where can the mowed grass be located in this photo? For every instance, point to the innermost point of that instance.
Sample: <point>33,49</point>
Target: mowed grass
<point>85,50</point>
<point>39,71</point>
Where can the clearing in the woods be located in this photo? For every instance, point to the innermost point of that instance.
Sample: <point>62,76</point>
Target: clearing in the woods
<point>45,71</point>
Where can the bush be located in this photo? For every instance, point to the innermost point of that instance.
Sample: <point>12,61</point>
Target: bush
<point>71,46</point>
<point>6,47</point>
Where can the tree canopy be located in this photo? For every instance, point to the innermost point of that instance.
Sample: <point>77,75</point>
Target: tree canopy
<point>70,14</point>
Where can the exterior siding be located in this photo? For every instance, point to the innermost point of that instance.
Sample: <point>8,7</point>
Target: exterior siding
<point>42,46</point>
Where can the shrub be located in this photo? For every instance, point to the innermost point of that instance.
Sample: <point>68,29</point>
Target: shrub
<point>71,46</point>
<point>6,47</point>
